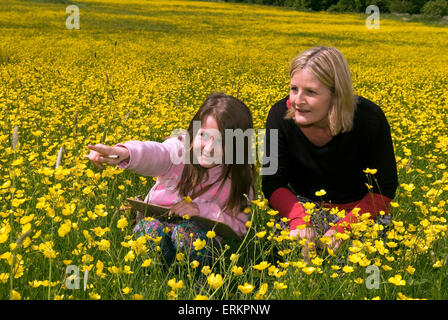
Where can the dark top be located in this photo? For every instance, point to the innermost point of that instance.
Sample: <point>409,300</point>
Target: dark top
<point>336,167</point>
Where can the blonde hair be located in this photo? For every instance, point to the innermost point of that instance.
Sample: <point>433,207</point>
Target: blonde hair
<point>328,65</point>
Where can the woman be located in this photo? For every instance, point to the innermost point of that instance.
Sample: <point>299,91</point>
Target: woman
<point>327,138</point>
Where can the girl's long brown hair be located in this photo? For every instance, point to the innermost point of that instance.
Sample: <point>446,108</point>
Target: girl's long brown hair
<point>229,113</point>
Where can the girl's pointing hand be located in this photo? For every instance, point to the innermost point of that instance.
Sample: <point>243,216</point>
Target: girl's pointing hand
<point>101,153</point>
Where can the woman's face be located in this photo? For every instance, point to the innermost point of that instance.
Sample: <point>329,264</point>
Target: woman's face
<point>310,99</point>
<point>207,144</point>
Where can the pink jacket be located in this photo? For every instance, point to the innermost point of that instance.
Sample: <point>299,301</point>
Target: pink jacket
<point>154,159</point>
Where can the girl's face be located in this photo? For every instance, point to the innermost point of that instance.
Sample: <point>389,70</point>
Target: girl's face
<point>207,144</point>
<point>310,99</point>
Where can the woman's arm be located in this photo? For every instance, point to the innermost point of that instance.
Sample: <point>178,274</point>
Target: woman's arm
<point>380,156</point>
<point>372,203</point>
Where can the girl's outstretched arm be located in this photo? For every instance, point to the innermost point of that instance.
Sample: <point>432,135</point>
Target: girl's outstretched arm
<point>150,158</point>
<point>101,153</point>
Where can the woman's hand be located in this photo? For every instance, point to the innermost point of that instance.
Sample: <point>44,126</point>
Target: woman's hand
<point>310,235</point>
<point>333,243</point>
<point>183,208</point>
<point>99,152</point>
<point>307,233</point>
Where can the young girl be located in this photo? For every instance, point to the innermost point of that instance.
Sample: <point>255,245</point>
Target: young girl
<point>203,184</point>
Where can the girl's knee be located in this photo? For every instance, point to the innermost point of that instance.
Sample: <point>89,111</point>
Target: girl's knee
<point>186,233</point>
<point>153,228</point>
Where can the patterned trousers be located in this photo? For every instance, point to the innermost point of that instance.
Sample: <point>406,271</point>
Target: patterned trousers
<point>177,238</point>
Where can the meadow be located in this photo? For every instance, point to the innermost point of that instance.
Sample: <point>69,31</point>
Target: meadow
<point>138,70</point>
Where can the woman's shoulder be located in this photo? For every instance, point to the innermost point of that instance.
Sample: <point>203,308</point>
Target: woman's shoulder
<point>368,114</point>
<point>278,110</point>
<point>367,108</point>
<point>280,105</point>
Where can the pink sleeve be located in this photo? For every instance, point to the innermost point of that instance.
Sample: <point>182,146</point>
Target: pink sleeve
<point>150,158</point>
<point>235,220</point>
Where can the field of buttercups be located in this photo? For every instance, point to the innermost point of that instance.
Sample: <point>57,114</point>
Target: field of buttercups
<point>139,70</point>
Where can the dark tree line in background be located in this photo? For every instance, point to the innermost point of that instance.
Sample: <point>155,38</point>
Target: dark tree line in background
<point>429,9</point>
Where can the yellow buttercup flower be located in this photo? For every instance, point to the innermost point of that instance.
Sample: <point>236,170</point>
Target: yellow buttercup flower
<point>280,285</point>
<point>146,263</point>
<point>262,265</point>
<point>199,244</point>
<point>347,269</point>
<point>308,270</point>
<point>397,280</point>
<point>237,271</point>
<point>215,280</point>
<point>370,171</point>
<point>246,288</point>
<point>175,285</point>
<point>211,234</point>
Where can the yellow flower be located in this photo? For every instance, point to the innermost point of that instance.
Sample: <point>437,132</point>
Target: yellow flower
<point>127,270</point>
<point>234,257</point>
<point>175,284</point>
<point>317,261</point>
<point>180,256</point>
<point>335,267</point>
<point>215,280</point>
<point>206,270</point>
<point>99,232</point>
<point>260,234</point>
<point>410,269</point>
<point>438,264</point>
<point>16,295</point>
<point>397,280</point>
<point>394,204</point>
<point>280,285</point>
<point>4,277</point>
<point>199,244</point>
<point>262,291</point>
<point>94,296</point>
<point>64,228</point>
<point>211,234</point>
<point>347,269</point>
<point>146,263</point>
<point>122,223</point>
<point>371,171</point>
<point>309,205</point>
<point>187,199</point>
<point>320,193</point>
<point>194,264</point>
<point>237,271</point>
<point>126,290</point>
<point>325,240</point>
<point>262,265</point>
<point>137,296</point>
<point>386,267</point>
<point>308,270</point>
<point>246,288</point>
<point>103,244</point>
<point>200,297</point>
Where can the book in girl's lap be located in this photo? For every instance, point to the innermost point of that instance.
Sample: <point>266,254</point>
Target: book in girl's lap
<point>219,191</point>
